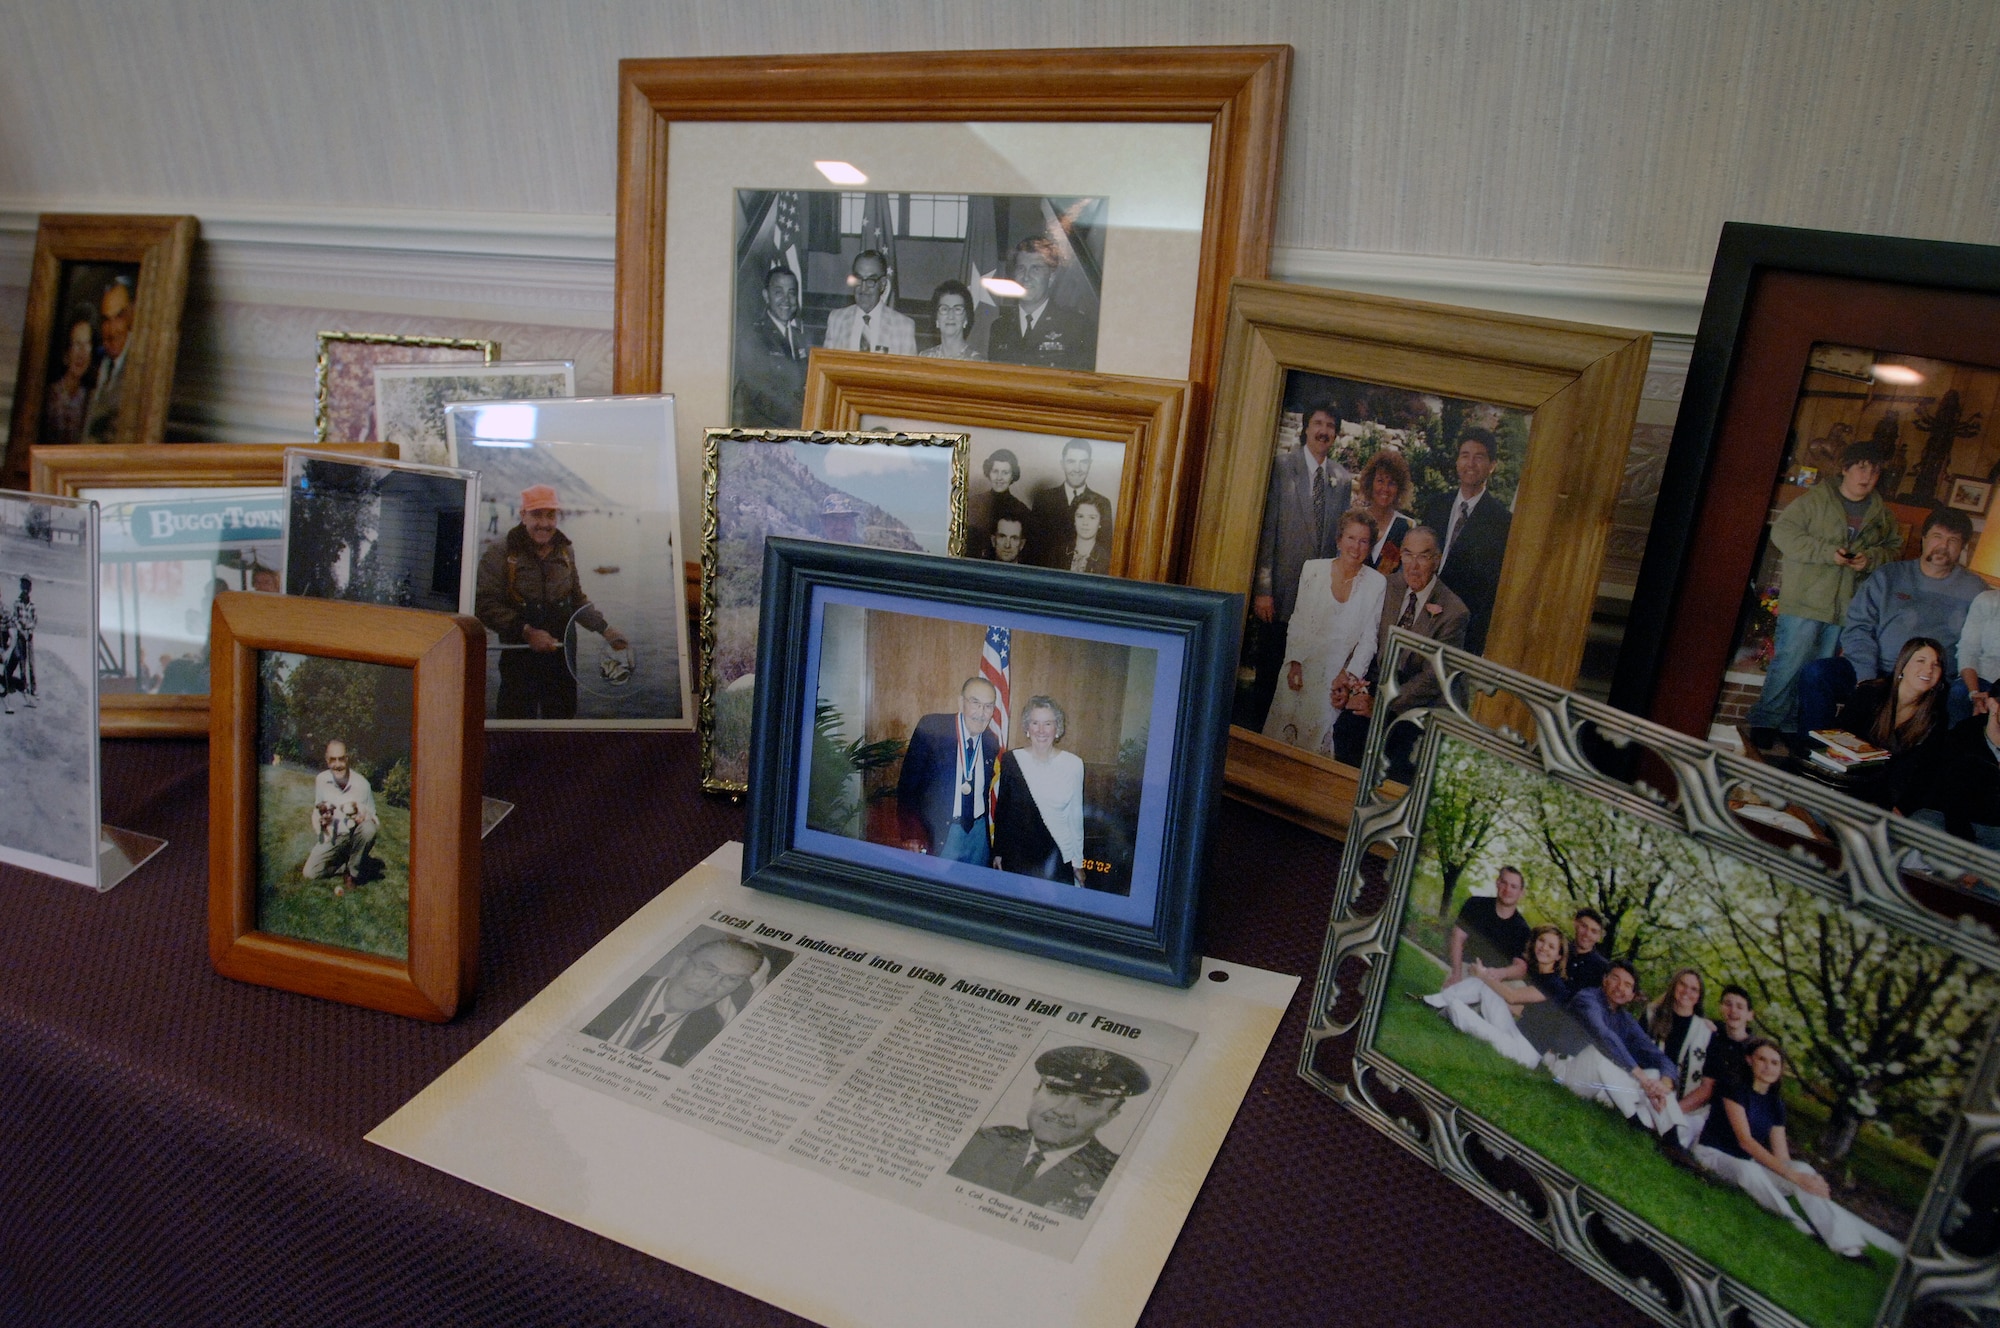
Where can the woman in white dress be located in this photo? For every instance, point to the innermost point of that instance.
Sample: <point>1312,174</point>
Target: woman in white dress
<point>1038,824</point>
<point>951,311</point>
<point>1331,641</point>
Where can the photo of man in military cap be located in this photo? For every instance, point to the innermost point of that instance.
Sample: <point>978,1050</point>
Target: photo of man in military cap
<point>1056,1162</point>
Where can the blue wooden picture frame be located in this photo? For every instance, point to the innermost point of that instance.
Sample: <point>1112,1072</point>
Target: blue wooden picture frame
<point>1146,811</point>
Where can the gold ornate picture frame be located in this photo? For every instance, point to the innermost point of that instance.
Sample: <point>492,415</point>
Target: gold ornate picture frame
<point>121,281</point>
<point>344,375</point>
<point>1579,386</point>
<point>1145,417</point>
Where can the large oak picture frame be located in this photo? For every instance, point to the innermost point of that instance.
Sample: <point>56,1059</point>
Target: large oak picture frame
<point>1237,92</point>
<point>447,746</point>
<point>1774,293</point>
<point>1582,384</point>
<point>69,471</point>
<point>1149,416</point>
<point>162,248</point>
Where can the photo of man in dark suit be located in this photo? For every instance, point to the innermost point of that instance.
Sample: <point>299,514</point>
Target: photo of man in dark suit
<point>1309,491</point>
<point>1473,525</point>
<point>770,391</point>
<point>1038,330</point>
<point>671,1015</point>
<point>942,793</point>
<point>1052,518</point>
<point>1419,600</point>
<point>1056,1162</point>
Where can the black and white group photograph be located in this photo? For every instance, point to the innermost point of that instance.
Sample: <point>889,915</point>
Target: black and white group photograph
<point>48,685</point>
<point>1015,279</point>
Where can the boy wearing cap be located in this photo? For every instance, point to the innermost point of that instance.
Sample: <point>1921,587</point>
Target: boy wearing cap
<point>1056,1162</point>
<point>528,592</point>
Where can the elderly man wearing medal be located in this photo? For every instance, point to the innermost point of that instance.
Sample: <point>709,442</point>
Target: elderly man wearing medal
<point>941,795</point>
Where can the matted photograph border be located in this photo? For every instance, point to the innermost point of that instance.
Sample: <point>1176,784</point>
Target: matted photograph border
<point>1164,948</point>
<point>1581,384</point>
<point>163,247</point>
<point>1238,92</point>
<point>447,746</point>
<point>1875,859</point>
<point>1149,416</point>
<point>67,471</point>
<point>1773,294</point>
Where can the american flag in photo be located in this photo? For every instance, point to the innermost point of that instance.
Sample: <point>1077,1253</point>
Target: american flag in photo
<point>994,662</point>
<point>785,232</point>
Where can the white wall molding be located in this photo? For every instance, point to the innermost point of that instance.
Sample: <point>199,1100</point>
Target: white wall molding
<point>267,277</point>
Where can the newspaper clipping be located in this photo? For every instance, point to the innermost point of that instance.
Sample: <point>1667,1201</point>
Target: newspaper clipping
<point>1002,1110</point>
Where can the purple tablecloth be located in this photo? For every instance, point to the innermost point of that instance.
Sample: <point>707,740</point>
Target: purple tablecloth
<point>176,1148</point>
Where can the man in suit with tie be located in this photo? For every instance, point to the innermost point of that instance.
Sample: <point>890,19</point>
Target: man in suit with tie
<point>1473,524</point>
<point>770,390</point>
<point>870,323</point>
<point>1038,330</point>
<point>671,1016</point>
<point>1309,490</point>
<point>943,791</point>
<point>1056,1163</point>
<point>1052,512</point>
<point>1422,602</point>
<point>114,330</point>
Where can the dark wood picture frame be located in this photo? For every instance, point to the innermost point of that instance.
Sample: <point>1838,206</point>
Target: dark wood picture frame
<point>1774,292</point>
<point>447,746</point>
<point>162,247</point>
<point>68,471</point>
<point>1149,416</point>
<point>1238,91</point>
<point>1581,383</point>
<point>1164,948</point>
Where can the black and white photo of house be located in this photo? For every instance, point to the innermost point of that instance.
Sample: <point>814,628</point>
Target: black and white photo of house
<point>379,533</point>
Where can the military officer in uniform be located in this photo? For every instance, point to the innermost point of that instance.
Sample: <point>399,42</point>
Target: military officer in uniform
<point>1038,330</point>
<point>1056,1162</point>
<point>528,592</point>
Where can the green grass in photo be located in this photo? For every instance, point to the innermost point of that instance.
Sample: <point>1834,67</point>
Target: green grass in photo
<point>374,917</point>
<point>1601,1149</point>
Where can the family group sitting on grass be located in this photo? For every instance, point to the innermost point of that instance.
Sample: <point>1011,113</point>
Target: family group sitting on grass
<point>1708,1093</point>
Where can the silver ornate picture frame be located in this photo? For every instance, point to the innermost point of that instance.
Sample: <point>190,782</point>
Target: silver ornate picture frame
<point>1857,1019</point>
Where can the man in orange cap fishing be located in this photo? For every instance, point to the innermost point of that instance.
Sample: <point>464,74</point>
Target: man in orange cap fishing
<point>528,593</point>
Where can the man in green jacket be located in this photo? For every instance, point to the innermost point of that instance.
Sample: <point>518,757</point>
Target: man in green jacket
<point>1831,536</point>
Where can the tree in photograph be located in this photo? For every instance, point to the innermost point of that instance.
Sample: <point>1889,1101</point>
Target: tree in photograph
<point>1630,870</point>
<point>1881,1026</point>
<point>332,516</point>
<point>1471,802</point>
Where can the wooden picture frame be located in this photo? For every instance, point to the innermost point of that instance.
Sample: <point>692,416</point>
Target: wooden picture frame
<point>161,248</point>
<point>344,400</point>
<point>1773,294</point>
<point>69,471</point>
<point>814,837</point>
<point>1582,385</point>
<point>1147,416</point>
<point>447,744</point>
<point>1237,93</point>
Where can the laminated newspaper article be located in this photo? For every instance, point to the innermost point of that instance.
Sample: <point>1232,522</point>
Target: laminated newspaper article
<point>997,1108</point>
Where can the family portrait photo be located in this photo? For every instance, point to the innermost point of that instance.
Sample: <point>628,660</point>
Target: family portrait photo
<point>48,696</point>
<point>379,532</point>
<point>1869,628</point>
<point>96,307</point>
<point>1385,507</point>
<point>167,553</point>
<point>1760,1073</point>
<point>1015,279</point>
<point>679,1004</point>
<point>410,398</point>
<point>1017,751</point>
<point>1039,500</point>
<point>882,494</point>
<point>333,801</point>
